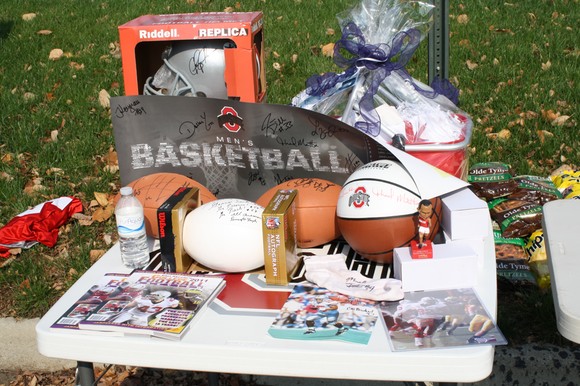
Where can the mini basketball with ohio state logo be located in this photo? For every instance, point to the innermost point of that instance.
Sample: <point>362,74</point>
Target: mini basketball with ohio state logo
<point>377,210</point>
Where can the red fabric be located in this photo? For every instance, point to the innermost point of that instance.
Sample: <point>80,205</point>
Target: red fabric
<point>39,224</point>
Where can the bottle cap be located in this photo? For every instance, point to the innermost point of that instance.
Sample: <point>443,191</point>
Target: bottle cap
<point>126,191</point>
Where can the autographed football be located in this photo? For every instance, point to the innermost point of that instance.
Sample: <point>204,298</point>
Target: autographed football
<point>153,189</point>
<point>225,235</point>
<point>315,209</point>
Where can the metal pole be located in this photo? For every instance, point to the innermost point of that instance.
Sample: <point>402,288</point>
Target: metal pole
<point>439,41</point>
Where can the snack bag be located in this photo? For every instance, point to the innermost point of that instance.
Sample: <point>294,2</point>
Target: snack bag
<point>516,218</point>
<point>491,180</point>
<point>565,177</point>
<point>572,192</point>
<point>536,250</point>
<point>539,190</point>
<point>512,261</point>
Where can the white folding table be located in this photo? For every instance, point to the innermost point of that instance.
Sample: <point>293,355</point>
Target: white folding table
<point>560,226</point>
<point>239,343</point>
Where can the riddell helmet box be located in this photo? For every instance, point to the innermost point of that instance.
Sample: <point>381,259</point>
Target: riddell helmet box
<point>214,54</point>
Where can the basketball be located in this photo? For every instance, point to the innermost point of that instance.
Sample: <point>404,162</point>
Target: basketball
<point>152,190</point>
<point>315,209</point>
<point>225,235</point>
<point>377,210</point>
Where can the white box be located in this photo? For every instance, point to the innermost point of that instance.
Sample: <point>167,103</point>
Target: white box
<point>464,215</point>
<point>452,266</point>
<point>477,244</point>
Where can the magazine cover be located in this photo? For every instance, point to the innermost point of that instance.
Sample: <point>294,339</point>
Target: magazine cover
<point>110,286</point>
<point>439,319</point>
<point>160,304</point>
<point>317,313</point>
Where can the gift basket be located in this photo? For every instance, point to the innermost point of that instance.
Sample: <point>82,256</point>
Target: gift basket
<point>375,93</point>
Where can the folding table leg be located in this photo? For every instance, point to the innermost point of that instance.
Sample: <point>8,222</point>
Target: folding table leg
<point>213,379</point>
<point>85,375</point>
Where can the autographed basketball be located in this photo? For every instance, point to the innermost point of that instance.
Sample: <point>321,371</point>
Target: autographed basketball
<point>315,209</point>
<point>225,235</point>
<point>153,189</point>
<point>377,210</point>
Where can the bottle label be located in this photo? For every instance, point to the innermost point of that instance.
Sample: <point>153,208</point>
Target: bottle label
<point>130,225</point>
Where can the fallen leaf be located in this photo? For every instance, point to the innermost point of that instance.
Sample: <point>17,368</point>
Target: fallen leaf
<point>28,16</point>
<point>76,66</point>
<point>102,198</point>
<point>4,262</point>
<point>5,176</point>
<point>111,168</point>
<point>55,54</point>
<point>330,31</point>
<point>83,219</point>
<point>103,214</point>
<point>104,99</point>
<point>275,54</point>
<point>28,96</point>
<point>33,185</point>
<point>546,66</point>
<point>328,50</point>
<point>277,66</point>
<point>108,239</point>
<point>6,158</point>
<point>294,58</point>
<point>463,19</point>
<point>471,65</point>
<point>55,171</point>
<point>559,121</point>
<point>504,134</point>
<point>464,43</point>
<point>229,9</point>
<point>549,115</point>
<point>504,30</point>
<point>54,135</point>
<point>44,32</point>
<point>95,254</point>
<point>25,284</point>
<point>542,134</point>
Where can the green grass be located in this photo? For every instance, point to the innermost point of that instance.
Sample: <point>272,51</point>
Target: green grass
<point>511,88</point>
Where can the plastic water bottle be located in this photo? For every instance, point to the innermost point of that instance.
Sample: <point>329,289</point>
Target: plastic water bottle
<point>131,229</point>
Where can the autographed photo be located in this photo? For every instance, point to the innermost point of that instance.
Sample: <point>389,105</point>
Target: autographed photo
<point>439,319</point>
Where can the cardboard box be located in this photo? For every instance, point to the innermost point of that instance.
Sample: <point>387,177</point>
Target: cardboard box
<point>465,216</point>
<point>279,232</point>
<point>452,266</point>
<point>240,35</point>
<point>171,216</point>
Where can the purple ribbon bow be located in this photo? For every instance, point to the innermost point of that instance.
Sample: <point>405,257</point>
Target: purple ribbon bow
<point>381,59</point>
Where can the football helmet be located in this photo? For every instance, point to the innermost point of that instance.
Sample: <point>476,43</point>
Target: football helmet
<point>191,68</point>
